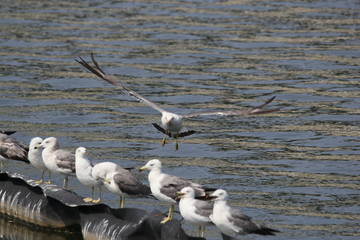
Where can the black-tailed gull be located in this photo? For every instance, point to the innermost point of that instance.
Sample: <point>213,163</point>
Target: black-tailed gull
<point>172,123</point>
<point>58,160</point>
<point>120,181</point>
<point>12,149</point>
<point>84,169</point>
<point>195,211</point>
<point>232,222</point>
<point>35,158</point>
<point>164,187</point>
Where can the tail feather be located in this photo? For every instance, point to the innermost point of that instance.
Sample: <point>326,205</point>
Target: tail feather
<point>265,231</point>
<point>181,134</point>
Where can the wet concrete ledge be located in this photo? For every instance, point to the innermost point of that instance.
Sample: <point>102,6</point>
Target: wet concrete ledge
<point>49,208</point>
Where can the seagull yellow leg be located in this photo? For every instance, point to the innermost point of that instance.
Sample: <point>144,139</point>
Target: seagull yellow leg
<point>170,214</point>
<point>201,231</point>
<point>42,178</point>
<point>49,182</point>
<point>65,183</point>
<point>163,142</point>
<point>176,142</point>
<point>122,202</point>
<point>99,199</point>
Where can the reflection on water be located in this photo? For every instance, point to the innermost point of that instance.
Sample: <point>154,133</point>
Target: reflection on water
<point>9,231</point>
<point>296,170</point>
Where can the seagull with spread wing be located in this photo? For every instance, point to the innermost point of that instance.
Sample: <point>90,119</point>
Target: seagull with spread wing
<point>171,123</point>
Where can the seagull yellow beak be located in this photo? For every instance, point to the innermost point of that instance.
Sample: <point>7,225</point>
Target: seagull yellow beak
<point>179,195</point>
<point>211,197</point>
<point>37,146</point>
<point>143,168</point>
<point>105,180</point>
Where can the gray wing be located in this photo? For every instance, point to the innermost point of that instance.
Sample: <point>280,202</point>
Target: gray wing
<point>170,185</point>
<point>65,160</point>
<point>242,221</point>
<point>128,183</point>
<point>101,74</point>
<point>250,111</point>
<point>203,207</point>
<point>10,148</point>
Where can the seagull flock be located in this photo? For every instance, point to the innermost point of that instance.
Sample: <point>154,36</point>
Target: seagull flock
<point>199,205</point>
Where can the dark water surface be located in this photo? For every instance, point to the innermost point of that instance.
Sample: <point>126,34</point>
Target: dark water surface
<point>296,170</point>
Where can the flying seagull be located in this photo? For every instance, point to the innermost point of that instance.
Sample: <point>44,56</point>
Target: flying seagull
<point>195,211</point>
<point>84,169</point>
<point>58,160</point>
<point>164,187</point>
<point>232,222</point>
<point>171,123</point>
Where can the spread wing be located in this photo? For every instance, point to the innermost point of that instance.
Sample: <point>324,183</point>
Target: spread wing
<point>101,74</point>
<point>250,111</point>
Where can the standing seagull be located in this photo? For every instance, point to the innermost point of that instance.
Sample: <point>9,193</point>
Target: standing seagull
<point>35,158</point>
<point>172,123</point>
<point>10,148</point>
<point>84,170</point>
<point>58,160</point>
<point>232,222</point>
<point>120,181</point>
<point>195,211</point>
<point>165,187</point>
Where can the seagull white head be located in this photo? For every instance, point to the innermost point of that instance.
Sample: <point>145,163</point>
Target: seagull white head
<point>166,118</point>
<point>103,171</point>
<point>50,142</point>
<point>35,143</point>
<point>80,152</point>
<point>219,195</point>
<point>153,164</point>
<point>187,192</point>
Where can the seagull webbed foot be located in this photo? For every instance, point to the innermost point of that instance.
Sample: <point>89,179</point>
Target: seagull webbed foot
<point>165,220</point>
<point>88,199</point>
